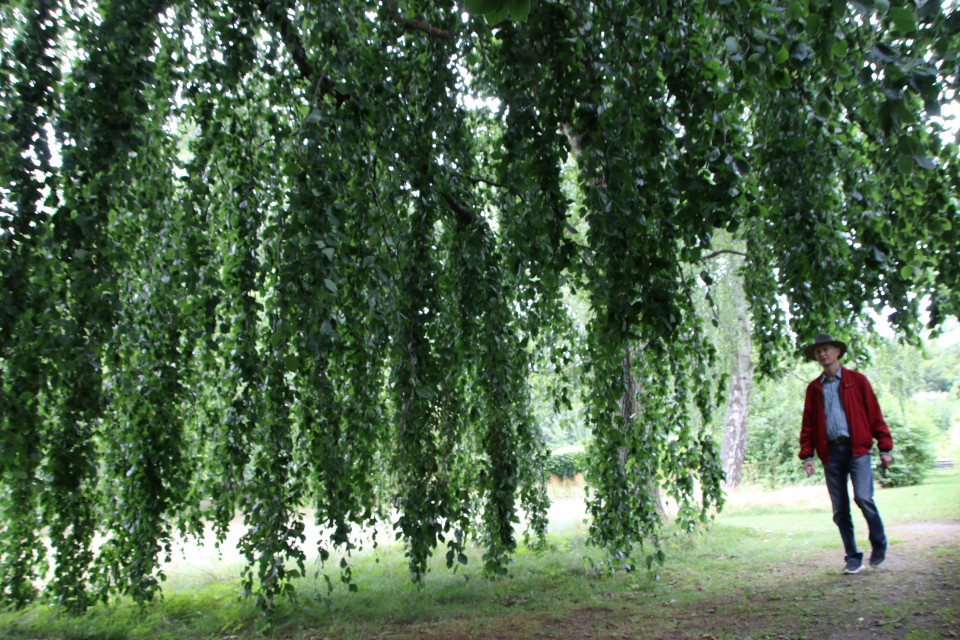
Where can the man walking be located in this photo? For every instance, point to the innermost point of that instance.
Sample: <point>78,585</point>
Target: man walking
<point>841,418</point>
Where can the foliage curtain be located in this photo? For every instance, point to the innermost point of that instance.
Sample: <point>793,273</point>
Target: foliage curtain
<point>259,257</point>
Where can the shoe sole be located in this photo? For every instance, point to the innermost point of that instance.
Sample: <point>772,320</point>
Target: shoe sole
<point>877,564</point>
<point>852,571</point>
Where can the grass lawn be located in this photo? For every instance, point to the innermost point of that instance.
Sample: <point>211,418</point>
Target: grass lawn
<point>769,568</point>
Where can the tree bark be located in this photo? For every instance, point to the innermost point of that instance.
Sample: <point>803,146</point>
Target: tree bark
<point>629,410</point>
<point>738,408</point>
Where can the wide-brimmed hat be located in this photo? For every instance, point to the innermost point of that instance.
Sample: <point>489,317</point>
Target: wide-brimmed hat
<point>823,338</point>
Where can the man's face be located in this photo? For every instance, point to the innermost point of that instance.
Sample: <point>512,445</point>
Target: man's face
<point>826,355</point>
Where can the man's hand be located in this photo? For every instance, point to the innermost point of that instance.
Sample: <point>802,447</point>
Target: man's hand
<point>885,460</point>
<point>808,466</point>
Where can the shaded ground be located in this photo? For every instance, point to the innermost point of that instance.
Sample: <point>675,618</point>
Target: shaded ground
<point>914,595</point>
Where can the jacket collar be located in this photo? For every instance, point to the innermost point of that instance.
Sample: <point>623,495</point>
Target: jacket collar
<point>841,373</point>
<point>823,376</point>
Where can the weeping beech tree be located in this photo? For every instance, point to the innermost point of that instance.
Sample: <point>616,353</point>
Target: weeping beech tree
<point>262,258</point>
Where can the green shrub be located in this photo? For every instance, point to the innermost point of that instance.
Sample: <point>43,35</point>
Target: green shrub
<point>913,455</point>
<point>567,461</point>
<point>771,454</point>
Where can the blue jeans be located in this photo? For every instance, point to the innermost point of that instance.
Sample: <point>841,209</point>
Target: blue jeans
<point>841,466</point>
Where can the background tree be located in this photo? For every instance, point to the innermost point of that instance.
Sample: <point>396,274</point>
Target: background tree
<point>735,346</point>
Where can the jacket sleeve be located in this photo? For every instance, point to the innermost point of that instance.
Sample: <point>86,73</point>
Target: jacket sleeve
<point>878,428</point>
<point>806,428</point>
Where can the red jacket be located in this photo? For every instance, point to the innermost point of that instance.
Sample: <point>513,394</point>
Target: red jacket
<point>864,419</point>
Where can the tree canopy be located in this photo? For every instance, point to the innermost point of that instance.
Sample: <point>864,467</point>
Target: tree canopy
<point>265,256</point>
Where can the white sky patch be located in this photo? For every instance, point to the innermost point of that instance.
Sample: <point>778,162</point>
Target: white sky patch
<point>55,160</point>
<point>880,324</point>
<point>951,333</point>
<point>469,100</point>
<point>950,329</point>
<point>950,121</point>
<point>473,103</point>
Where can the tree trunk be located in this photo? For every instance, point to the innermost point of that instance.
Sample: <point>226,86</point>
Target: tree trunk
<point>629,410</point>
<point>738,408</point>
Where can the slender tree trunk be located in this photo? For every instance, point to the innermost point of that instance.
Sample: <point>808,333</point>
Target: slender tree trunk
<point>630,412</point>
<point>738,408</point>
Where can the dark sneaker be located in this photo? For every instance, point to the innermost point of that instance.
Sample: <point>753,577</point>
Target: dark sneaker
<point>854,565</point>
<point>878,556</point>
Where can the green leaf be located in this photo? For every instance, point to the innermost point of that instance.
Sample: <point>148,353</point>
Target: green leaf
<point>497,16</point>
<point>329,284</point>
<point>824,106</point>
<point>291,363</point>
<point>925,162</point>
<point>930,10</point>
<point>839,48</point>
<point>905,163</point>
<point>799,51</point>
<point>882,53</point>
<point>519,10</point>
<point>842,68</point>
<point>781,56</point>
<point>483,6</point>
<point>903,18</point>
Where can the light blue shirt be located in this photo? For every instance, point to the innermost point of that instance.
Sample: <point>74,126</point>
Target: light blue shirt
<point>833,408</point>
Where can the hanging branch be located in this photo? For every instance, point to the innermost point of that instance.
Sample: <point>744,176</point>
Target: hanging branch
<point>416,25</point>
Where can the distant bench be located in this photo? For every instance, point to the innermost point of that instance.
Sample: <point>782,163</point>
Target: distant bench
<point>943,463</point>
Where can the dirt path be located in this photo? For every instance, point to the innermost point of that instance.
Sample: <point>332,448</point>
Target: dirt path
<point>915,595</point>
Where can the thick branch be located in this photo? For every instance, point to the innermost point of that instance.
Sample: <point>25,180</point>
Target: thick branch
<point>417,25</point>
<point>291,40</point>
<point>288,33</point>
<point>484,181</point>
<point>463,214</point>
<point>721,251</point>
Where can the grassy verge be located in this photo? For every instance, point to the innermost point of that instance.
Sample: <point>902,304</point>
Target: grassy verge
<point>770,562</point>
